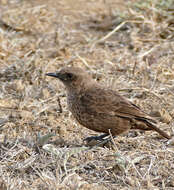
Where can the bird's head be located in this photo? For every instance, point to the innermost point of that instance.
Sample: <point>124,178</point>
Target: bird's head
<point>72,77</point>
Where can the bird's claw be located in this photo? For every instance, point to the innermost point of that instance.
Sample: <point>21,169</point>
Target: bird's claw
<point>95,138</point>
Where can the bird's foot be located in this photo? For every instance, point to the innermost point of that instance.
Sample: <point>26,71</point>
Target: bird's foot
<point>100,141</point>
<point>95,138</point>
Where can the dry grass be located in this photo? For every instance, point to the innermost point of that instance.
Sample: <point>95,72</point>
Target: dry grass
<point>129,47</point>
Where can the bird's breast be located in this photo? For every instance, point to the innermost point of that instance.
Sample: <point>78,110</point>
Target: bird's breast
<point>79,109</point>
<point>75,105</point>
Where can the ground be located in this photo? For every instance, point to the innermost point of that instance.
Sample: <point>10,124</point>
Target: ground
<point>127,45</point>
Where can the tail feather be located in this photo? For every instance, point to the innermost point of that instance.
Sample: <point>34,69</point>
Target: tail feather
<point>147,126</point>
<point>155,128</point>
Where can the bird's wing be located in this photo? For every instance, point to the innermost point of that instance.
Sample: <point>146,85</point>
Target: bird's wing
<point>109,102</point>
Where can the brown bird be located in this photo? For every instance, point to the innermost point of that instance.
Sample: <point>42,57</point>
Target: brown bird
<point>99,108</point>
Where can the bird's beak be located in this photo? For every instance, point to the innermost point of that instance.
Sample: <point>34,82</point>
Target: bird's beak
<point>52,75</point>
<point>56,75</point>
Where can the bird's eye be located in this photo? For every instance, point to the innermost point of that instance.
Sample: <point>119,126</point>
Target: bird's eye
<point>69,76</point>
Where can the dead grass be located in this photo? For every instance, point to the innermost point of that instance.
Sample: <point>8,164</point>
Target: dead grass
<point>127,46</point>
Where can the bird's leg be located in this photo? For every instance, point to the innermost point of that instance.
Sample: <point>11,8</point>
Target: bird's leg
<point>105,141</point>
<point>99,138</point>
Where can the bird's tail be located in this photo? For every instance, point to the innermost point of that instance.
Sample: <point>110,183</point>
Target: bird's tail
<point>146,126</point>
<point>155,128</point>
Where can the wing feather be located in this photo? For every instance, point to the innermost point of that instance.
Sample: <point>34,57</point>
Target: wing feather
<point>110,102</point>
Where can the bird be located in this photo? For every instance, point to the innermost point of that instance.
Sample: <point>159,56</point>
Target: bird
<point>101,108</point>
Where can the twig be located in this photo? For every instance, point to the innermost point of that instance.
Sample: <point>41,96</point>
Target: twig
<point>112,32</point>
<point>60,106</point>
<point>109,34</point>
<point>83,60</point>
